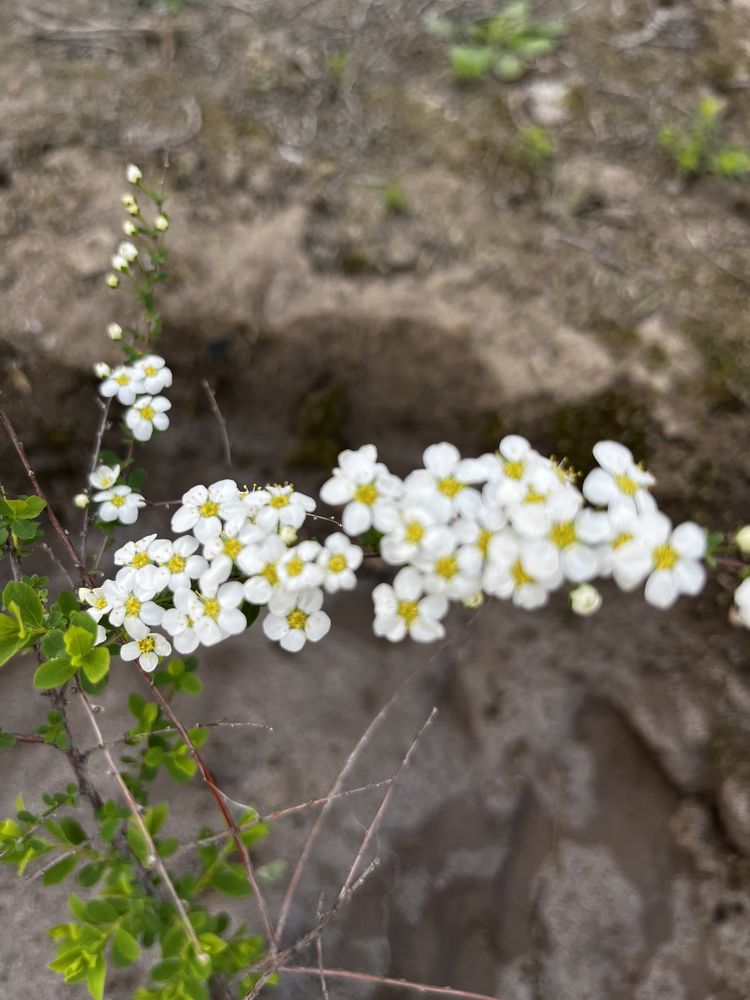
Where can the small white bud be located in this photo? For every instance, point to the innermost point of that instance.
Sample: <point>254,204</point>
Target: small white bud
<point>129,228</point>
<point>127,251</point>
<point>133,173</point>
<point>288,534</point>
<point>81,500</point>
<point>102,369</point>
<point>585,600</point>
<point>130,204</point>
<point>114,331</point>
<point>119,263</point>
<point>475,601</point>
<point>161,223</point>
<point>113,281</point>
<point>742,540</point>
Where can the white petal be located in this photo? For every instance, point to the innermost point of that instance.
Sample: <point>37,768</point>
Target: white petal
<point>130,651</point>
<point>613,456</point>
<point>293,640</point>
<point>336,491</point>
<point>357,518</point>
<point>689,576</point>
<point>599,488</point>
<point>426,630</point>
<point>579,563</point>
<point>258,590</point>
<point>441,459</point>
<point>317,625</point>
<point>274,627</point>
<point>689,540</point>
<point>408,584</point>
<point>661,589</point>
<point>184,519</point>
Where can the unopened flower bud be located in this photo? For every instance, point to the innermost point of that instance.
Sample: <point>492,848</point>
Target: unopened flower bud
<point>113,281</point>
<point>130,204</point>
<point>742,540</point>
<point>288,534</point>
<point>119,263</point>
<point>81,500</point>
<point>127,251</point>
<point>133,173</point>
<point>474,601</point>
<point>114,331</point>
<point>129,228</point>
<point>161,223</point>
<point>585,600</point>
<point>102,369</point>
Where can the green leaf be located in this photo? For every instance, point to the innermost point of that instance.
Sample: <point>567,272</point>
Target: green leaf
<point>82,619</point>
<point>96,664</point>
<point>96,976</point>
<point>11,639</point>
<point>231,882</point>
<point>30,507</point>
<point>27,599</point>
<point>60,871</point>
<point>78,642</point>
<point>153,756</point>
<point>68,603</point>
<point>26,531</point>
<point>470,62</point>
<point>190,684</point>
<point>53,673</point>
<point>7,740</point>
<point>74,832</point>
<point>138,844</point>
<point>99,911</point>
<point>90,874</point>
<point>53,644</point>
<point>125,948</point>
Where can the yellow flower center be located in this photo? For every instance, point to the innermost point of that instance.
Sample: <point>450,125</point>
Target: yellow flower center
<point>146,645</point>
<point>295,566</point>
<point>366,494</point>
<point>269,572</point>
<point>118,500</point>
<point>279,500</point>
<point>337,563</point>
<point>211,608</point>
<point>664,556</point>
<point>132,606</point>
<point>626,485</point>
<point>148,412</point>
<point>447,567</point>
<point>483,542</point>
<point>414,532</point>
<point>449,486</point>
<point>408,610</point>
<point>101,603</point>
<point>532,496</point>
<point>139,560</point>
<point>563,534</point>
<point>123,379</point>
<point>297,618</point>
<point>621,539</point>
<point>232,547</point>
<point>150,371</point>
<point>514,470</point>
<point>520,577</point>
<point>208,509</point>
<point>176,564</point>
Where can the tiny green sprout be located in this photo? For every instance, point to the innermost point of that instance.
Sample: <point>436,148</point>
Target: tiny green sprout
<point>697,148</point>
<point>536,149</point>
<point>394,198</point>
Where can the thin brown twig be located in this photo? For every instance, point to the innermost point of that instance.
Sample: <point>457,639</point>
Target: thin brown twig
<point>50,552</point>
<point>226,814</point>
<point>222,723</point>
<point>319,950</point>
<point>404,984</point>
<point>220,421</point>
<point>94,462</point>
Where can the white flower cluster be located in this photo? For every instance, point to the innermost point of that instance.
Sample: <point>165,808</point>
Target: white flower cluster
<point>117,502</point>
<point>511,524</point>
<point>138,386</point>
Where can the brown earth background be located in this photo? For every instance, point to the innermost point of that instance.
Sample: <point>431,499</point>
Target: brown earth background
<point>576,823</point>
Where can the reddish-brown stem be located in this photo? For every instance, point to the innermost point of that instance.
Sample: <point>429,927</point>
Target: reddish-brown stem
<point>405,984</point>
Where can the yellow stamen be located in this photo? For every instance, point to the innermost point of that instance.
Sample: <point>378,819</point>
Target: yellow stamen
<point>117,500</point>
<point>414,532</point>
<point>295,566</point>
<point>101,603</point>
<point>337,563</point>
<point>132,606</point>
<point>148,412</point>
<point>664,556</point>
<point>520,577</point>
<point>139,560</point>
<point>621,539</point>
<point>563,534</point>
<point>532,496</point>
<point>279,500</point>
<point>409,611</point>
<point>447,567</point>
<point>269,572</point>
<point>211,608</point>
<point>626,485</point>
<point>366,494</point>
<point>146,645</point>
<point>176,564</point>
<point>150,371</point>
<point>297,619</point>
<point>449,486</point>
<point>208,509</point>
<point>123,380</point>
<point>232,547</point>
<point>483,542</point>
<point>514,470</point>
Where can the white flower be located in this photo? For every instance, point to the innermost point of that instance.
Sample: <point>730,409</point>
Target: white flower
<point>176,563</point>
<point>671,559</point>
<point>133,173</point>
<point>570,537</point>
<point>119,504</point>
<point>402,609</point>
<point>443,484</point>
<point>284,506</point>
<point>125,383</point>
<point>147,413</point>
<point>243,506</point>
<point>585,600</point>
<point>161,223</point>
<point>97,601</point>
<point>81,500</point>
<point>104,476</point>
<point>619,480</point>
<point>131,606</point>
<point>293,619</point>
<point>338,559</point>
<point>215,614</point>
<point>181,628</point>
<point>298,569</point>
<point>154,373</point>
<point>147,647</point>
<point>112,281</point>
<point>404,525</point>
<point>448,569</point>
<point>200,509</point>
<point>742,540</point>
<point>532,514</point>
<point>261,564</point>
<point>119,263</point>
<point>136,562</point>
<point>223,551</point>
<point>102,369</point>
<point>508,572</point>
<point>742,602</point>
<point>509,473</point>
<point>128,251</point>
<point>364,486</point>
<point>479,531</point>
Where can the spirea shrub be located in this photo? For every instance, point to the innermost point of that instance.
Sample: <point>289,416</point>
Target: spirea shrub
<point>509,525</point>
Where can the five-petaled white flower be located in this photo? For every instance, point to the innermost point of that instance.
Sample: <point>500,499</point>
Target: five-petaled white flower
<point>508,572</point>
<point>147,414</point>
<point>261,564</point>
<point>404,525</point>
<point>293,619</point>
<point>215,614</point>
<point>443,485</point>
<point>177,563</point>
<point>200,509</point>
<point>671,560</point>
<point>298,568</point>
<point>365,487</point>
<point>119,504</point>
<point>125,383</point>
<point>104,477</point>
<point>338,559</point>
<point>154,373</point>
<point>284,506</point>
<point>449,569</point>
<point>619,480</point>
<point>403,609</point>
<point>146,647</point>
<point>131,605</point>
<point>135,560</point>
<point>95,598</point>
